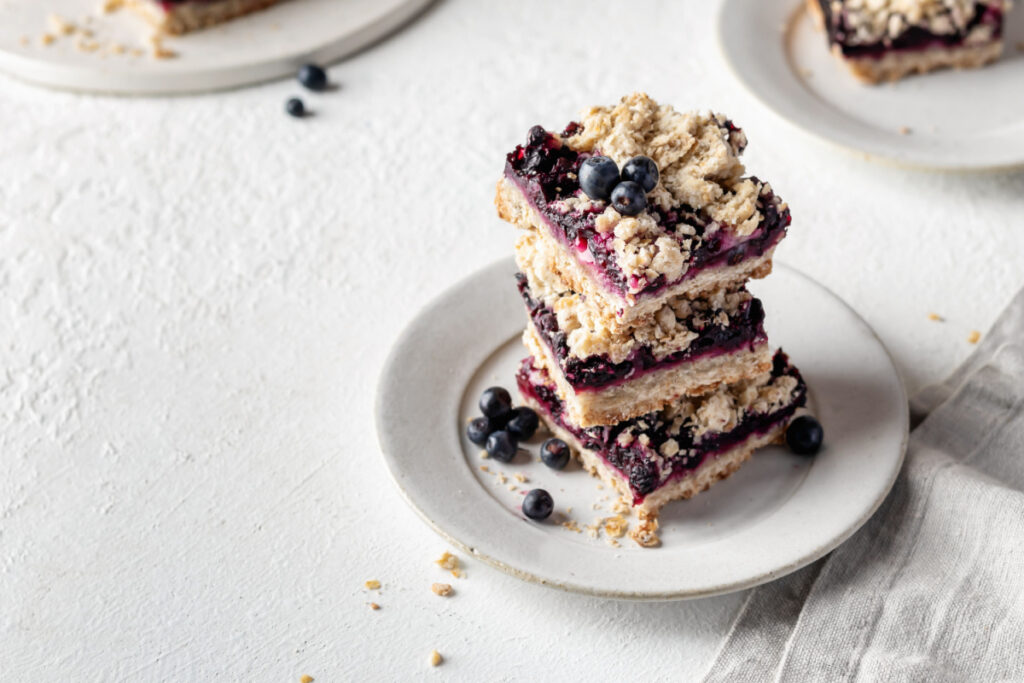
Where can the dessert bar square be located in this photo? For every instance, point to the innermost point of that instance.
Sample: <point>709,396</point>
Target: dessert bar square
<point>182,16</point>
<point>681,450</point>
<point>689,348</point>
<point>706,225</point>
<point>885,40</point>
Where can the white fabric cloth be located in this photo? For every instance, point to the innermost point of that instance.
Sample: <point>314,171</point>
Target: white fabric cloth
<point>932,588</point>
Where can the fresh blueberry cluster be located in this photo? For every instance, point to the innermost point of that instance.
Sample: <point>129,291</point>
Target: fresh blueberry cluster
<point>500,430</point>
<point>312,77</point>
<point>627,190</point>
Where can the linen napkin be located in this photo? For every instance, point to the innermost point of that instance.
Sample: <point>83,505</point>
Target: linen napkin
<point>932,588</point>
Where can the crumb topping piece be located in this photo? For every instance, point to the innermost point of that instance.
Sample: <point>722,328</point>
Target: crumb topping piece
<point>449,562</point>
<point>442,589</point>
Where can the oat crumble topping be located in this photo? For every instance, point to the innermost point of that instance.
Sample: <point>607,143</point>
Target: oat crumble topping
<point>873,21</point>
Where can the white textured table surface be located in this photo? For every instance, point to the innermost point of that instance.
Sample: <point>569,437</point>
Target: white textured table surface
<point>197,295</point>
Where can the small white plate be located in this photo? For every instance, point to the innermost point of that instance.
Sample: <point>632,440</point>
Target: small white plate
<point>777,514</point>
<point>949,120</point>
<point>259,47</point>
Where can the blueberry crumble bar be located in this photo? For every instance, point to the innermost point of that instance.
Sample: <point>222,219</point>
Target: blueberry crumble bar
<point>639,229</point>
<point>885,40</point>
<point>682,449</point>
<point>181,16</point>
<point>706,224</point>
<point>691,347</point>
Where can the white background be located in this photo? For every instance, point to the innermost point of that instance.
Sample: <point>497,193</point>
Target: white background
<point>197,295</point>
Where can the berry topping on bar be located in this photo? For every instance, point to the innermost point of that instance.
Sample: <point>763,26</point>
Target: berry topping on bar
<point>642,171</point>
<point>598,177</point>
<point>628,198</point>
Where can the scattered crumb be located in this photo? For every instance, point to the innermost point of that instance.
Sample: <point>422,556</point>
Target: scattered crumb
<point>974,337</point>
<point>569,509</point>
<point>513,487</point>
<point>158,50</point>
<point>521,478</point>
<point>112,5</point>
<point>501,479</point>
<point>484,454</point>
<point>485,468</point>
<point>615,527</point>
<point>571,525</point>
<point>904,130</point>
<point>374,606</point>
<point>442,589</point>
<point>85,44</point>
<point>936,317</point>
<point>435,658</point>
<point>621,506</point>
<point>60,25</point>
<point>601,487</point>
<point>449,562</point>
<point>372,584</point>
<point>306,679</point>
<point>47,39</point>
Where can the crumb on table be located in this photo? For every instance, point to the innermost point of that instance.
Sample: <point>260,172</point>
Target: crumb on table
<point>936,317</point>
<point>442,589</point>
<point>306,679</point>
<point>373,584</point>
<point>904,130</point>
<point>974,337</point>
<point>449,562</point>
<point>435,658</point>
<point>374,606</point>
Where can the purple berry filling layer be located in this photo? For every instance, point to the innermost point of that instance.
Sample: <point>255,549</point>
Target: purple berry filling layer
<point>545,171</point>
<point>633,460</point>
<point>745,331</point>
<point>914,38</point>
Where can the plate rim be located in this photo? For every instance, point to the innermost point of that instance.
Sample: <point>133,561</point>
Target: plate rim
<point>172,81</point>
<point>805,559</point>
<point>904,161</point>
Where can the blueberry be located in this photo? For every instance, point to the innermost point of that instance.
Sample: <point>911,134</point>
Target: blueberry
<point>523,424</point>
<point>628,198</point>
<point>313,77</point>
<point>598,176</point>
<point>501,446</point>
<point>295,107</point>
<point>495,403</point>
<point>642,171</point>
<point>479,429</point>
<point>538,504</point>
<point>642,479</point>
<point>804,435</point>
<point>555,453</point>
<point>536,136</point>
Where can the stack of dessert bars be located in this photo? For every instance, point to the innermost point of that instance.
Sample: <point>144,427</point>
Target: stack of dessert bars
<point>648,354</point>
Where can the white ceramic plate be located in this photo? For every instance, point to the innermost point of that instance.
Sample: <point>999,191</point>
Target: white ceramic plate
<point>259,47</point>
<point>777,514</point>
<point>957,120</point>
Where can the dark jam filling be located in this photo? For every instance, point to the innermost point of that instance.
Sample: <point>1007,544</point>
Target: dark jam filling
<point>914,38</point>
<point>744,331</point>
<point>632,460</point>
<point>545,170</point>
